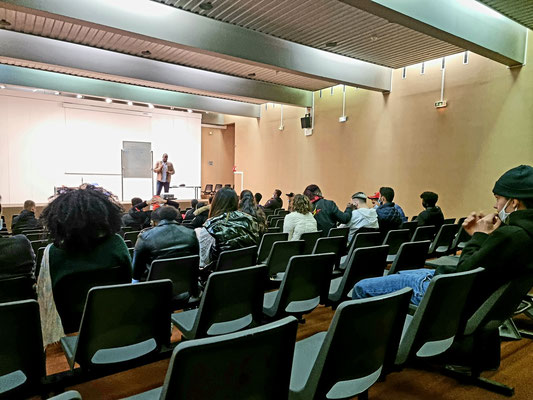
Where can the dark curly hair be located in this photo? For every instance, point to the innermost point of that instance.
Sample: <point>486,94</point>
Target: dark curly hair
<point>79,219</point>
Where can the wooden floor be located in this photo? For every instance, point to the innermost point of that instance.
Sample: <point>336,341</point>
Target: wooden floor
<point>516,370</point>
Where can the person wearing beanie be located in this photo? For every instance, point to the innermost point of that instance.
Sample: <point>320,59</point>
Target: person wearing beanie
<point>326,212</point>
<point>501,243</point>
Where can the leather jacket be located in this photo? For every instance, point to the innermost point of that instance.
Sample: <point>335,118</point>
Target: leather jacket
<point>16,257</point>
<point>232,230</point>
<point>166,240</point>
<point>25,220</point>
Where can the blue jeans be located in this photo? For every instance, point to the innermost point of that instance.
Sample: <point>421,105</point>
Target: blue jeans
<point>417,279</point>
<point>161,185</point>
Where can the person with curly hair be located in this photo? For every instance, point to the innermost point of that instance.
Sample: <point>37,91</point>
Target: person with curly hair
<point>248,205</point>
<point>301,219</point>
<point>83,224</point>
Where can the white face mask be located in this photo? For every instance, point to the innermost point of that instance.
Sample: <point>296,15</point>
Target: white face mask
<point>504,215</point>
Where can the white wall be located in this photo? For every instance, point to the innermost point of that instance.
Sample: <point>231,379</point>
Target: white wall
<point>43,141</point>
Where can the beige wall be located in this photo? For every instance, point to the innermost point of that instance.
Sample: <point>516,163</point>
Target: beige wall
<point>400,139</point>
<point>218,146</point>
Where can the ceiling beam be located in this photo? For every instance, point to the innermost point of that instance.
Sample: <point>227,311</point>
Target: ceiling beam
<point>170,25</point>
<point>464,23</point>
<point>19,76</point>
<point>55,52</point>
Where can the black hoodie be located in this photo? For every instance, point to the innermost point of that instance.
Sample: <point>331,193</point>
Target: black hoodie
<point>25,220</point>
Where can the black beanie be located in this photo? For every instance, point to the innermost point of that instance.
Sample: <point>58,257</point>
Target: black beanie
<point>517,183</point>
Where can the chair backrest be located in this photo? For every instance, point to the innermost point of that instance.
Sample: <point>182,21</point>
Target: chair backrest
<point>36,236</point>
<point>310,239</point>
<point>238,258</point>
<point>411,225</point>
<point>366,239</point>
<point>272,220</point>
<point>182,272</point>
<point>341,232</point>
<point>354,348</point>
<point>39,260</point>
<point>448,221</point>
<point>18,288</point>
<point>127,229</point>
<point>444,239</point>
<point>129,244</point>
<point>70,292</point>
<point>281,253</point>
<point>280,222</point>
<point>460,239</point>
<point>124,322</point>
<point>460,221</point>
<point>305,284</point>
<point>267,241</point>
<point>395,238</point>
<point>208,188</point>
<point>36,244</point>
<point>231,299</point>
<point>412,255</point>
<point>218,186</point>
<point>365,262</point>
<point>252,364</point>
<point>436,320</point>
<point>334,244</point>
<point>424,233</point>
<point>274,229</point>
<point>280,212</point>
<point>132,236</point>
<point>21,347</point>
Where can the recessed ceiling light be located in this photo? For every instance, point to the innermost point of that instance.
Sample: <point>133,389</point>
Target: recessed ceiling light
<point>252,75</point>
<point>206,6</point>
<point>56,93</point>
<point>331,44</point>
<point>2,87</point>
<point>35,90</point>
<point>189,110</point>
<point>130,103</point>
<point>373,38</point>
<point>108,100</point>
<point>146,53</point>
<point>150,105</point>
<point>79,96</point>
<point>4,23</point>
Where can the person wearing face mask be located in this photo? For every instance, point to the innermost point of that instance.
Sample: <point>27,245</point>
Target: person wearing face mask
<point>501,243</point>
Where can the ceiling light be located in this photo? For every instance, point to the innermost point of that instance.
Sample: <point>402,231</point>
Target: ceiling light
<point>206,6</point>
<point>4,23</point>
<point>2,87</point>
<point>373,38</point>
<point>130,103</point>
<point>35,90</point>
<point>108,100</point>
<point>146,53</point>
<point>56,93</point>
<point>150,105</point>
<point>331,44</point>
<point>79,96</point>
<point>189,110</point>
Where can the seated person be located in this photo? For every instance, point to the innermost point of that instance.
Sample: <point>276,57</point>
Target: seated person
<point>26,219</point>
<point>362,215</point>
<point>275,201</point>
<point>326,212</point>
<point>225,229</point>
<point>290,199</point>
<point>160,201</point>
<point>201,214</point>
<point>258,196</point>
<point>500,243</point>
<point>432,215</point>
<point>189,215</point>
<point>374,199</point>
<point>301,219</point>
<point>16,257</point>
<point>166,239</point>
<point>84,224</point>
<point>388,215</point>
<point>136,217</point>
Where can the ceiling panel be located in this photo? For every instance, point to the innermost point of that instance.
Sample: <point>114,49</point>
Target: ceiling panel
<point>519,10</point>
<point>314,23</point>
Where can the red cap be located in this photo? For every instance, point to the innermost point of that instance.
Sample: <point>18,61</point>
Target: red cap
<point>375,196</point>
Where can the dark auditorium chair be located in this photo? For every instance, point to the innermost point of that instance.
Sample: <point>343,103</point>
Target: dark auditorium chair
<point>341,232</point>
<point>412,255</point>
<point>16,289</point>
<point>183,273</point>
<point>434,325</point>
<point>208,191</point>
<point>22,358</point>
<point>252,364</point>
<point>366,262</point>
<point>36,236</point>
<point>305,285</point>
<point>70,395</point>
<point>132,236</point>
<point>448,221</point>
<point>232,301</point>
<point>424,233</point>
<point>411,225</point>
<point>362,239</point>
<point>267,241</point>
<point>443,241</point>
<point>238,258</point>
<point>36,244</point>
<point>218,186</point>
<point>279,223</point>
<point>274,229</point>
<point>460,240</point>
<point>70,292</point>
<point>460,221</point>
<point>394,240</point>
<point>334,244</point>
<point>310,239</point>
<point>121,324</point>
<point>279,257</point>
<point>38,260</point>
<point>279,211</point>
<point>348,359</point>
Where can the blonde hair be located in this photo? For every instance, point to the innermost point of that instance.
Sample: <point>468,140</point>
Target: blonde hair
<point>302,204</point>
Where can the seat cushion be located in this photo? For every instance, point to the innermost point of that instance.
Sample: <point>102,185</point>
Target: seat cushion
<point>69,344</point>
<point>184,321</point>
<point>305,354</point>
<point>154,394</point>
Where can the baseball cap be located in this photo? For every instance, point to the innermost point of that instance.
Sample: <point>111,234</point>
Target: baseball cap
<point>375,196</point>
